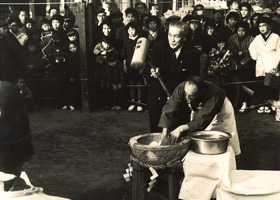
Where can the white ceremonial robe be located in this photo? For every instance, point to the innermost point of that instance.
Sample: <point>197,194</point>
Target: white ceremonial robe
<point>264,52</point>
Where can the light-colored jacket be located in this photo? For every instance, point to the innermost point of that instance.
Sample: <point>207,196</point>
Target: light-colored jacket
<point>266,53</point>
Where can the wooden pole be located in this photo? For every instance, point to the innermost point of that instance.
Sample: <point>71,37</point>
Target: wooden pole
<point>32,9</point>
<point>82,22</point>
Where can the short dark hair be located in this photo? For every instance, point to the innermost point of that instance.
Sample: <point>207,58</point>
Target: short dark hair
<point>100,10</point>
<point>134,25</point>
<point>198,5</point>
<point>253,16</point>
<point>209,24</point>
<point>247,5</point>
<point>198,82</point>
<point>153,4</point>
<point>57,17</point>
<point>243,24</point>
<point>266,20</point>
<point>45,21</point>
<point>131,11</point>
<point>108,23</point>
<point>234,15</point>
<point>155,19</point>
<point>140,3</point>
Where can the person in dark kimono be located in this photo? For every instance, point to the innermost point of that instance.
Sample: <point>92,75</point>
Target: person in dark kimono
<point>15,144</point>
<point>197,105</point>
<point>173,61</point>
<point>238,44</point>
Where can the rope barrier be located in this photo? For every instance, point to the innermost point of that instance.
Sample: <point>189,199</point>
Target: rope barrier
<point>140,103</point>
<point>235,83</point>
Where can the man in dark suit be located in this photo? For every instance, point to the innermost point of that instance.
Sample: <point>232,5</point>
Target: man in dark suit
<point>174,61</point>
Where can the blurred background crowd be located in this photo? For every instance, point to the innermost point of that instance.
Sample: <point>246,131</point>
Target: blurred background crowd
<point>42,57</point>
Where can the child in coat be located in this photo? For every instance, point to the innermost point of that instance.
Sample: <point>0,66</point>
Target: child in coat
<point>115,75</point>
<point>47,40</point>
<point>135,77</point>
<point>73,82</point>
<point>101,50</point>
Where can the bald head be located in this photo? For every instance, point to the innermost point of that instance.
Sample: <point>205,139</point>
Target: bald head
<point>194,87</point>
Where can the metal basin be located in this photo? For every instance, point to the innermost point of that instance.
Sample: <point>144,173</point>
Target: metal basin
<point>209,142</point>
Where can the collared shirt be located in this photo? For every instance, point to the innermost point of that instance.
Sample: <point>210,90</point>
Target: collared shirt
<point>132,38</point>
<point>154,34</point>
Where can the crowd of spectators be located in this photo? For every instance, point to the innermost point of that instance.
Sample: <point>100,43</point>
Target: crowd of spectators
<point>229,50</point>
<point>235,45</point>
<point>31,53</point>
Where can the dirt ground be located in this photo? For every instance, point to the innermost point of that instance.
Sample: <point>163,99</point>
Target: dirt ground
<point>82,156</point>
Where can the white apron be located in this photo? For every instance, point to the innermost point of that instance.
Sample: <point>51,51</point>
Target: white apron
<point>224,121</point>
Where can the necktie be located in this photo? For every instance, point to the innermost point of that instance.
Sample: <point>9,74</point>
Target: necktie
<point>174,55</point>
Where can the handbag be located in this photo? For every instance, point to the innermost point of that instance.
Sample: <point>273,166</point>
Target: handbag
<point>272,79</point>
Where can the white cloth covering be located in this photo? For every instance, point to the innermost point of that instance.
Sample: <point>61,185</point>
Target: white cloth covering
<point>203,174</point>
<point>33,193</point>
<point>250,185</point>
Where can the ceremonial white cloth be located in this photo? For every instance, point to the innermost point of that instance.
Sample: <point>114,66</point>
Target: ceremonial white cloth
<point>250,185</point>
<point>203,174</point>
<point>33,193</point>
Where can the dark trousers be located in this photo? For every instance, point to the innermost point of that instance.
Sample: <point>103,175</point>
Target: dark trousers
<point>118,97</point>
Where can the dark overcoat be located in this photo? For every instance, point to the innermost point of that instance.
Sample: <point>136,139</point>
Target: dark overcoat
<point>173,72</point>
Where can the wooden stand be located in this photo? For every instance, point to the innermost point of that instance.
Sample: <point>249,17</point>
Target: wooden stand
<point>139,181</point>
